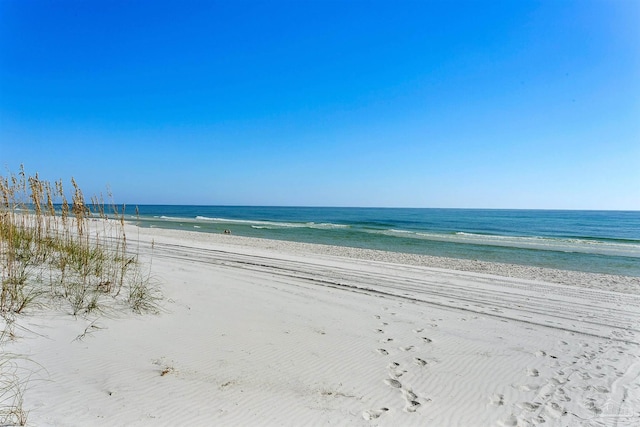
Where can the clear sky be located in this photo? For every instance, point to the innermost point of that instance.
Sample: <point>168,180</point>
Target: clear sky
<point>488,104</point>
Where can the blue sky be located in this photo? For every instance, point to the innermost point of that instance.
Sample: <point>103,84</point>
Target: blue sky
<point>487,104</point>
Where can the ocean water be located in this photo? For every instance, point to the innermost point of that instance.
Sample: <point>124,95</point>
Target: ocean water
<point>592,241</point>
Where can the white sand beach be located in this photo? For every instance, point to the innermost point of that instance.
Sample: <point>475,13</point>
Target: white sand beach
<point>260,332</point>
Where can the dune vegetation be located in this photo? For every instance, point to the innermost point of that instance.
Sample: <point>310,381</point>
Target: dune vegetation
<point>61,254</point>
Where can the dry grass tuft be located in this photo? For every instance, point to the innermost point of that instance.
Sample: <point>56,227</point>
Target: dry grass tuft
<point>78,252</point>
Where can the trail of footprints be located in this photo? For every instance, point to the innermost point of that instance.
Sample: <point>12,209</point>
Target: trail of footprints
<point>590,375</point>
<point>400,366</point>
<point>570,369</point>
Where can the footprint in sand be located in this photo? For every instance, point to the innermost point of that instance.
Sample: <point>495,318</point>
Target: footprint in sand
<point>592,405</point>
<point>397,374</point>
<point>528,406</point>
<point>412,406</point>
<point>419,362</point>
<point>510,421</point>
<point>417,331</point>
<point>427,340</point>
<point>409,395</point>
<point>372,414</point>
<point>496,400</point>
<point>538,420</point>
<point>382,351</point>
<point>531,372</point>
<point>561,395</point>
<point>555,410</point>
<point>584,375</point>
<point>407,348</point>
<point>393,383</point>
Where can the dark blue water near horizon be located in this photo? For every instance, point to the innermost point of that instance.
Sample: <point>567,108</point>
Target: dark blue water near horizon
<point>592,241</point>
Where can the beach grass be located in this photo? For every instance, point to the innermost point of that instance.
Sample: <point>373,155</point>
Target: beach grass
<point>64,254</point>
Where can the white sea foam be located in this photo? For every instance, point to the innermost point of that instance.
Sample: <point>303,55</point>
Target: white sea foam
<point>266,224</point>
<point>525,242</point>
<point>257,224</point>
<point>327,225</point>
<point>206,218</point>
<point>401,231</point>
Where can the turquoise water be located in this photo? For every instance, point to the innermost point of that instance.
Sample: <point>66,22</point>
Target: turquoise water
<point>593,241</point>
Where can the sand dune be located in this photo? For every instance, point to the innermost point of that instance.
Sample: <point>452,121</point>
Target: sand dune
<point>272,333</point>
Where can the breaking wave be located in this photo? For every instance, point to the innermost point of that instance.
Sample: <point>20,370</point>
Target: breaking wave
<point>257,224</point>
<point>592,246</point>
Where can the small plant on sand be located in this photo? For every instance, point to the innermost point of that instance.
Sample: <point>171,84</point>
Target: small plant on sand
<point>12,385</point>
<point>12,388</point>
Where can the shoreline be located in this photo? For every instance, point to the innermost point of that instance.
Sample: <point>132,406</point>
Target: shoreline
<point>584,241</point>
<point>610,282</point>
